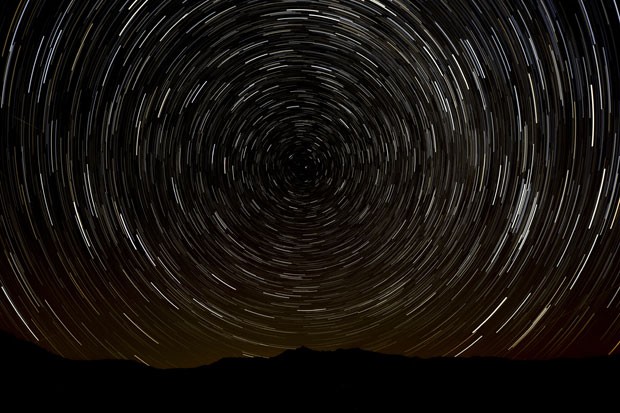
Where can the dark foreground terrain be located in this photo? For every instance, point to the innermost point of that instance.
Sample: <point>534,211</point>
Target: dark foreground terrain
<point>306,380</point>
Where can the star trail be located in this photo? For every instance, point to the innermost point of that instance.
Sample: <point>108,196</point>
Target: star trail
<point>188,180</point>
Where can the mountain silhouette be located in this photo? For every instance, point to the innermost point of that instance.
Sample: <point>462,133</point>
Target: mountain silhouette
<point>308,380</point>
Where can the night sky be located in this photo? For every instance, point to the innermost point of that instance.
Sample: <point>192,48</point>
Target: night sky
<point>182,181</point>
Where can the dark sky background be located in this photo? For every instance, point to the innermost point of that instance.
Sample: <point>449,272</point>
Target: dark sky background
<point>186,180</point>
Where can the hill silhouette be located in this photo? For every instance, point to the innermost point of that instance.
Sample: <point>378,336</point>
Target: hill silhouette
<point>309,380</point>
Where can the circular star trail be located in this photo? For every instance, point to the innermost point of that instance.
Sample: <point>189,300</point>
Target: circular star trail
<point>183,181</point>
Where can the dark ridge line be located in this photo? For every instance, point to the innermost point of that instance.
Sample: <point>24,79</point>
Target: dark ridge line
<point>41,356</point>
